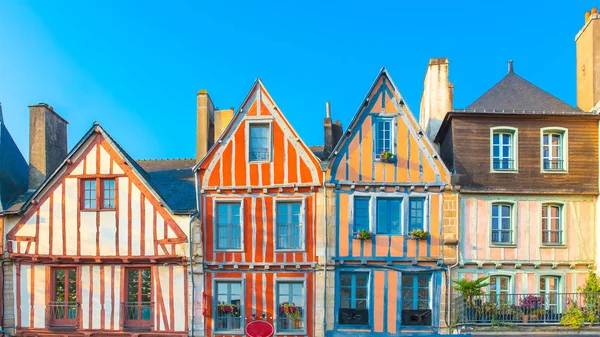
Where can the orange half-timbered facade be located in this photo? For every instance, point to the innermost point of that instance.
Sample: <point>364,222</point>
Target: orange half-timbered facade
<point>97,251</point>
<point>259,187</point>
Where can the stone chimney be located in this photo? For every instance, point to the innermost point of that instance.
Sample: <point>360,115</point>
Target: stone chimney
<point>47,142</point>
<point>437,96</point>
<point>587,46</point>
<point>205,124</point>
<point>333,132</point>
<point>222,119</point>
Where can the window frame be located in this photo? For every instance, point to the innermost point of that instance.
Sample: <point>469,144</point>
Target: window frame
<point>216,202</point>
<point>402,215</point>
<point>368,299</point>
<point>515,148</point>
<point>304,306</point>
<point>513,224</point>
<point>415,285</point>
<point>561,223</point>
<point>215,303</point>
<point>564,133</point>
<point>137,323</point>
<point>302,202</point>
<point>393,130</point>
<point>99,180</point>
<point>559,289</point>
<point>51,290</point>
<point>352,217</point>
<point>261,121</point>
<point>497,295</point>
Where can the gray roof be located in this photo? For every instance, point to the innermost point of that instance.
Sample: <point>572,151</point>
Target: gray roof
<point>14,170</point>
<point>318,150</point>
<point>174,180</point>
<point>516,93</point>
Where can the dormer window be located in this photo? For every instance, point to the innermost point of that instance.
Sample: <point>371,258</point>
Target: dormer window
<point>554,150</point>
<point>260,142</point>
<point>504,149</point>
<point>97,194</point>
<point>384,136</point>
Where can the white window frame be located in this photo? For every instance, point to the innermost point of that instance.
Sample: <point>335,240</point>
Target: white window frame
<point>393,129</point>
<point>562,223</point>
<point>304,305</point>
<point>217,201</point>
<point>565,149</point>
<point>515,148</point>
<point>302,202</point>
<point>513,223</point>
<point>215,303</point>
<point>258,122</point>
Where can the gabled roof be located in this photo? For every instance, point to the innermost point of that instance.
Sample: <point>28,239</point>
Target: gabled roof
<point>516,93</point>
<point>174,179</point>
<point>13,168</point>
<point>24,201</point>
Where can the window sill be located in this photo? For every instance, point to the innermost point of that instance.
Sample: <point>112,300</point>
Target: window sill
<point>503,245</point>
<point>554,171</point>
<point>283,250</point>
<point>98,210</point>
<point>504,171</point>
<point>226,250</point>
<point>291,333</point>
<point>354,328</point>
<point>259,161</point>
<point>553,245</point>
<point>226,333</point>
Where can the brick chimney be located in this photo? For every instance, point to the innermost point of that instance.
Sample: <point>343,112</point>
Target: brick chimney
<point>47,142</point>
<point>587,49</point>
<point>333,132</point>
<point>205,124</point>
<point>437,96</point>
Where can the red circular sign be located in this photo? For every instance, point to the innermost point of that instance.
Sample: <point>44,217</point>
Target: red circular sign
<point>259,329</point>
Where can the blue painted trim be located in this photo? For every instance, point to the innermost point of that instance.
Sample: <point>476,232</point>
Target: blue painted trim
<point>383,85</point>
<point>373,144</point>
<point>337,224</point>
<point>371,299</point>
<point>370,334</point>
<point>398,301</point>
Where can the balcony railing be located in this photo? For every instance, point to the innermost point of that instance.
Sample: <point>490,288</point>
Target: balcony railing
<point>524,309</point>
<point>62,314</point>
<point>504,164</point>
<point>553,164</point>
<point>137,314</point>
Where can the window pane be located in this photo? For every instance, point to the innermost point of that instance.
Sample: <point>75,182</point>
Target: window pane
<point>416,220</point>
<point>228,309</point>
<point>228,226</point>
<point>108,197</point>
<point>259,142</point>
<point>361,213</point>
<point>289,226</point>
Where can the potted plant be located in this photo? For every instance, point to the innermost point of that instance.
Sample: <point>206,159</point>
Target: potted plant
<point>227,308</point>
<point>386,156</point>
<point>419,234</point>
<point>292,312</point>
<point>530,305</point>
<point>469,289</point>
<point>363,234</point>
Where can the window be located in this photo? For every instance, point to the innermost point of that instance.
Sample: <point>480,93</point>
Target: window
<point>553,154</point>
<point>502,223</point>
<point>138,308</point>
<point>228,226</point>
<point>289,225</point>
<point>383,137</point>
<point>361,213</point>
<point>260,142</point>
<point>290,300</point>
<point>64,306</point>
<point>549,290</point>
<point>108,196</point>
<point>551,224</point>
<point>503,150</point>
<point>98,194</point>
<point>354,299</point>
<point>229,306</point>
<point>499,289</point>
<point>416,309</point>
<point>416,214</point>
<point>389,216</point>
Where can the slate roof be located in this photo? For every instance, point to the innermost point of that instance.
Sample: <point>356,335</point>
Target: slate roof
<point>14,170</point>
<point>516,93</point>
<point>318,150</point>
<point>174,180</point>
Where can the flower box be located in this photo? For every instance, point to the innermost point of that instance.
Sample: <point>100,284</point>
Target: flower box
<point>363,235</point>
<point>419,234</point>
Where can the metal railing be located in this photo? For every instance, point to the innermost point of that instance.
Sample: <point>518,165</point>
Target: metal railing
<point>520,309</point>
<point>62,314</point>
<point>504,164</point>
<point>553,164</point>
<point>137,314</point>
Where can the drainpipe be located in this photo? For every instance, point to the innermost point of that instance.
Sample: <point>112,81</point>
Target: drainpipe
<point>449,274</point>
<point>191,249</point>
<point>325,263</point>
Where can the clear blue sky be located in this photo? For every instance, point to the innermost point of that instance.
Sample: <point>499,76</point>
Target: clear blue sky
<point>135,66</point>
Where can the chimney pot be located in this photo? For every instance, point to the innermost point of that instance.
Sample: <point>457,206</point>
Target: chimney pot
<point>327,109</point>
<point>587,16</point>
<point>594,10</point>
<point>510,67</point>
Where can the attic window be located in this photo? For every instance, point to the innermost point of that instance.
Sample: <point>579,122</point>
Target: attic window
<point>260,142</point>
<point>98,194</point>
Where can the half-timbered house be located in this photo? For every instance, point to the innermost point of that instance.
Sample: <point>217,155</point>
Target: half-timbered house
<point>390,208</point>
<point>96,249</point>
<point>259,188</point>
